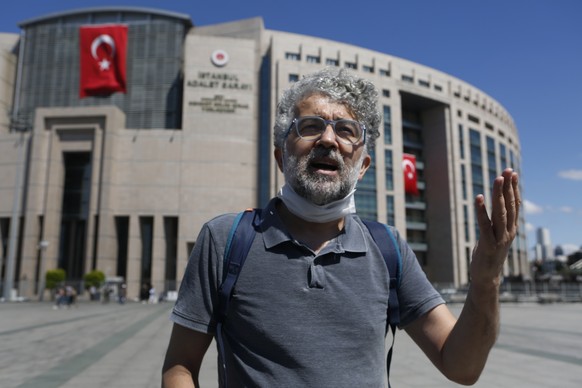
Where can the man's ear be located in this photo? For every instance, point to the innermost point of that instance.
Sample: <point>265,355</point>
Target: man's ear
<point>365,165</point>
<point>279,158</point>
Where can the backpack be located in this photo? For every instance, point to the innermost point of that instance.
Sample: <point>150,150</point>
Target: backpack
<point>238,244</point>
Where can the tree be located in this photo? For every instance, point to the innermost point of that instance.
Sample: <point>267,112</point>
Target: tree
<point>94,279</point>
<point>54,277</point>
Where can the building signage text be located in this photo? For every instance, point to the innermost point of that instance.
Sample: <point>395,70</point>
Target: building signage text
<point>219,104</point>
<point>211,80</point>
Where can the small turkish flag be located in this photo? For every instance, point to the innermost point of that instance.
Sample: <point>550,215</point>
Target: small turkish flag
<point>102,53</point>
<point>410,177</point>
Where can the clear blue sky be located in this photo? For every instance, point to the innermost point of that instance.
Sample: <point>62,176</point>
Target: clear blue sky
<point>526,54</point>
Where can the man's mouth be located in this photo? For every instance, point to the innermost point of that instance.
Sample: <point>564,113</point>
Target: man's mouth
<point>324,165</point>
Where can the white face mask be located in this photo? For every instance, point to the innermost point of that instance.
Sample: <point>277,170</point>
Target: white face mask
<point>311,212</point>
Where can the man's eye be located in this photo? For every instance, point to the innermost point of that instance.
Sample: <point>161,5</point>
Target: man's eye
<point>310,126</point>
<point>346,129</point>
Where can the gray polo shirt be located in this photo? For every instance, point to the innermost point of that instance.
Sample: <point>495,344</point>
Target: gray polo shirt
<point>297,318</point>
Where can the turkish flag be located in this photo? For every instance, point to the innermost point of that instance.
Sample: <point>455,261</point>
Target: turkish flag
<point>410,176</point>
<point>102,53</point>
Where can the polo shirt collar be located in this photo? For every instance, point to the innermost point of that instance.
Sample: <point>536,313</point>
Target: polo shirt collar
<point>351,239</point>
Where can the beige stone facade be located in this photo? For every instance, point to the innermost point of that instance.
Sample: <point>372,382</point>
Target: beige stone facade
<point>165,183</point>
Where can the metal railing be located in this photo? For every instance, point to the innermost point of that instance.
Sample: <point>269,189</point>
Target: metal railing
<point>540,292</point>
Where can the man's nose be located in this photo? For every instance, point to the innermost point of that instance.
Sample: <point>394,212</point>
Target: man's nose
<point>328,137</point>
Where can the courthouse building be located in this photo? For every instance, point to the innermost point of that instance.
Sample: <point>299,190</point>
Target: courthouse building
<point>119,173</point>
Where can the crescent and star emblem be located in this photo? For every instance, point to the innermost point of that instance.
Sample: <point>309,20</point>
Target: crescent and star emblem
<point>408,168</point>
<point>104,64</point>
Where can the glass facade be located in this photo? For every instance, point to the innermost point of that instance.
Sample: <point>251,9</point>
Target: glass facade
<point>389,170</point>
<point>413,143</point>
<point>146,226</point>
<point>491,161</point>
<point>476,168</point>
<point>75,213</point>
<point>122,234</point>
<point>366,203</point>
<point>464,181</point>
<point>503,156</point>
<point>171,256</point>
<point>387,119</point>
<point>50,67</point>
<point>390,210</point>
<point>461,142</point>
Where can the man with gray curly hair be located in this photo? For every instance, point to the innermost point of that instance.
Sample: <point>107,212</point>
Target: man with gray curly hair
<point>357,99</point>
<point>309,308</point>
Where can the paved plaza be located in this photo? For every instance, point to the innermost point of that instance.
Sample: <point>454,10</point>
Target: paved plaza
<point>110,345</point>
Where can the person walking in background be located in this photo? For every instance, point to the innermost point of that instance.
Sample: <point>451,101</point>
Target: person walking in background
<point>71,296</point>
<point>122,296</point>
<point>144,293</point>
<point>152,295</point>
<point>60,298</point>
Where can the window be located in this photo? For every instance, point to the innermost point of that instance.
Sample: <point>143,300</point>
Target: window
<point>438,88</point>
<point>466,222</point>
<point>384,73</point>
<point>292,56</point>
<point>367,69</point>
<point>464,181</point>
<point>350,65</point>
<point>426,84</point>
<point>407,78</point>
<point>313,59</point>
<point>146,226</point>
<point>461,142</point>
<point>390,212</point>
<point>503,155</point>
<point>387,118</point>
<point>473,119</point>
<point>293,77</point>
<point>74,213</point>
<point>331,62</point>
<point>122,234</point>
<point>385,93</point>
<point>366,194</point>
<point>491,160</point>
<point>171,237</point>
<point>389,170</point>
<point>476,168</point>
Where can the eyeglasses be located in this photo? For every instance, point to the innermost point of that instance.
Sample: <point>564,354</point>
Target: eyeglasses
<point>311,128</point>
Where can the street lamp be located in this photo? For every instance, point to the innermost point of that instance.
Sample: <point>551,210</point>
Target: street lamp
<point>43,245</point>
<point>21,127</point>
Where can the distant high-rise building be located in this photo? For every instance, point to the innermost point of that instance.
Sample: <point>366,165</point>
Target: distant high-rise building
<point>544,244</point>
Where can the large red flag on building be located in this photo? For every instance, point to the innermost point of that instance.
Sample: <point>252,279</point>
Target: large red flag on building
<point>410,176</point>
<point>102,52</point>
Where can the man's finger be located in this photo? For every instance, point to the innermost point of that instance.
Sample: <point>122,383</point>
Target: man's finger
<point>510,201</point>
<point>485,230</point>
<point>517,195</point>
<point>499,208</point>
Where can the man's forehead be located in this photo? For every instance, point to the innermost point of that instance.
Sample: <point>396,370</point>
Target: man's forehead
<point>322,105</point>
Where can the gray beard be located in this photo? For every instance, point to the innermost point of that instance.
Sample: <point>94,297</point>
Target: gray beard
<point>318,188</point>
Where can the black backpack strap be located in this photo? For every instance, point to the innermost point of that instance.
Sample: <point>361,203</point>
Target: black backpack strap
<point>240,239</point>
<point>384,238</point>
